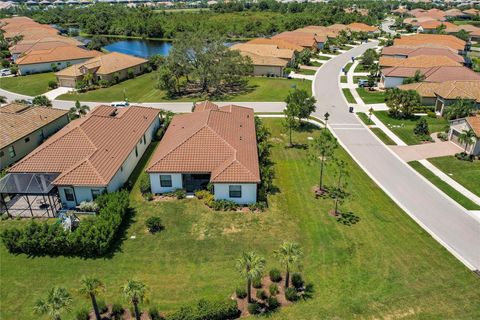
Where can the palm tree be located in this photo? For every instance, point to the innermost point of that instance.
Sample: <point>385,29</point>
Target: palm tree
<point>90,288</point>
<point>467,137</point>
<point>289,255</point>
<point>251,267</point>
<point>58,300</point>
<point>134,291</point>
<point>78,110</point>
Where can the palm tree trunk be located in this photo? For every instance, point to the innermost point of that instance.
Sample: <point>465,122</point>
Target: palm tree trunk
<point>249,290</point>
<point>287,278</point>
<point>290,135</point>
<point>95,307</point>
<point>137,312</point>
<point>321,173</point>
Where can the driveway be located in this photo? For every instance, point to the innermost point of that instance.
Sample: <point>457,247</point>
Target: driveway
<point>447,222</point>
<point>52,94</point>
<point>425,151</point>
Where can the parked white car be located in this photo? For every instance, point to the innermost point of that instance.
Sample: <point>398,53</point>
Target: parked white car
<point>121,104</point>
<point>5,72</point>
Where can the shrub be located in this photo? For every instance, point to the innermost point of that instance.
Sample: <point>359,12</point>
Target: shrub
<point>421,128</point>
<point>82,315</point>
<point>272,303</point>
<point>297,281</point>
<point>14,70</point>
<point>260,206</point>
<point>144,183</point>
<point>214,310</point>
<point>273,289</point>
<point>104,83</point>
<point>102,306</point>
<point>431,114</point>
<point>257,283</point>
<point>464,156</point>
<point>148,196</point>
<point>241,293</point>
<point>52,84</point>
<point>93,237</point>
<point>154,314</point>
<point>275,275</point>
<point>154,224</point>
<point>88,206</point>
<point>261,294</point>
<point>117,311</point>
<point>291,294</point>
<point>254,308</point>
<point>202,194</point>
<point>442,136</point>
<point>223,205</point>
<point>180,194</point>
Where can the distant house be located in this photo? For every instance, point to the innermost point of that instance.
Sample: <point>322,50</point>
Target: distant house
<point>104,67</point>
<point>403,52</point>
<point>57,58</point>
<point>215,145</point>
<point>266,50</point>
<point>362,27</point>
<point>426,90</point>
<point>266,66</point>
<point>24,128</point>
<point>23,46</point>
<point>303,39</point>
<point>281,44</point>
<point>450,91</point>
<point>432,41</point>
<point>93,154</point>
<point>423,61</point>
<point>393,77</point>
<point>459,125</point>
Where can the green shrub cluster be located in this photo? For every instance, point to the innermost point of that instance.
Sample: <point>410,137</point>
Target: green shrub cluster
<point>261,294</point>
<point>241,293</point>
<point>275,275</point>
<point>224,205</point>
<point>257,283</point>
<point>154,224</point>
<point>82,315</point>
<point>291,294</point>
<point>144,183</point>
<point>117,311</point>
<point>273,289</point>
<point>93,237</point>
<point>254,308</point>
<point>212,310</point>
<point>265,164</point>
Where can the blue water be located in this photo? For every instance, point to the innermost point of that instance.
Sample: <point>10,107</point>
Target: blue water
<point>140,48</point>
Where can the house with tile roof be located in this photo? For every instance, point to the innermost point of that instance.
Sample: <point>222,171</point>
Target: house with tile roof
<point>24,128</point>
<point>450,91</point>
<point>56,58</point>
<point>93,154</point>
<point>281,44</point>
<point>104,67</point>
<point>394,77</point>
<point>403,52</point>
<point>23,46</point>
<point>433,41</point>
<point>421,61</point>
<point>213,145</point>
<point>458,126</point>
<point>303,39</point>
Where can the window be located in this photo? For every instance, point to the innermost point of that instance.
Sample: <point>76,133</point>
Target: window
<point>69,194</point>
<point>144,140</point>
<point>136,151</point>
<point>2,153</point>
<point>235,191</point>
<point>165,181</point>
<point>96,193</point>
<point>11,152</point>
<point>27,140</point>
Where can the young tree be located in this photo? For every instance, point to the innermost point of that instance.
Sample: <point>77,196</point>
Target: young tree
<point>302,103</point>
<point>401,103</point>
<point>421,128</point>
<point>134,291</point>
<point>90,287</point>
<point>78,110</point>
<point>291,112</point>
<point>289,255</point>
<point>57,301</point>
<point>41,101</point>
<point>339,193</point>
<point>461,108</point>
<point>321,150</point>
<point>467,137</point>
<point>251,267</point>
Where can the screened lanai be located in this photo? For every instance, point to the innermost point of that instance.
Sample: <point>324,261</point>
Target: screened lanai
<point>29,195</point>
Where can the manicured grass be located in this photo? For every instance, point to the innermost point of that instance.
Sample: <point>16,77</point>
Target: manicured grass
<point>348,95</point>
<point>348,66</point>
<point>343,79</point>
<point>316,64</point>
<point>360,68</point>
<point>370,97</point>
<point>446,188</point>
<point>307,72</point>
<point>385,257</point>
<point>357,78</point>
<point>383,136</point>
<point>143,89</point>
<point>403,128</point>
<point>319,57</point>
<point>464,172</point>
<point>31,85</point>
<point>365,119</point>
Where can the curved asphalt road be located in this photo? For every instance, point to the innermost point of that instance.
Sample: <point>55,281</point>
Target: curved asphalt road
<point>446,221</point>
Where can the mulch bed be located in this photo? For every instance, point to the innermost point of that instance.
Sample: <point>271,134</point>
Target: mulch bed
<point>126,315</point>
<point>266,282</point>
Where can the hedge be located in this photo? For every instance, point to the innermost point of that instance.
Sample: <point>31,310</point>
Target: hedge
<point>207,310</point>
<point>92,238</point>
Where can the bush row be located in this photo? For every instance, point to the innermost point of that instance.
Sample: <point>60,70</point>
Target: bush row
<point>93,237</point>
<point>211,310</point>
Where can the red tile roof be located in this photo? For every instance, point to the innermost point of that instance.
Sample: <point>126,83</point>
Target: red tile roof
<point>220,141</point>
<point>435,74</point>
<point>90,150</point>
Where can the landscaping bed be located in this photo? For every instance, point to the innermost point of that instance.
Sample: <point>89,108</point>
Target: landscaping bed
<point>385,257</point>
<point>403,128</point>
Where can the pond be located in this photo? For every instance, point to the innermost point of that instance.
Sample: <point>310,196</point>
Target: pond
<point>139,47</point>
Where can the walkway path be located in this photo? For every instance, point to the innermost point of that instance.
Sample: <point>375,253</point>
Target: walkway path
<point>426,150</point>
<point>441,217</point>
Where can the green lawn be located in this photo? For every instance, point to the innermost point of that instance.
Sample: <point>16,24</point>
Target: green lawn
<point>142,89</point>
<point>348,95</point>
<point>446,188</point>
<point>472,22</point>
<point>343,79</point>
<point>348,66</point>
<point>306,72</point>
<point>370,97</point>
<point>383,136</point>
<point>403,128</point>
<point>31,85</point>
<point>360,68</point>
<point>383,267</point>
<point>316,64</point>
<point>319,57</point>
<point>464,172</point>
<point>365,119</point>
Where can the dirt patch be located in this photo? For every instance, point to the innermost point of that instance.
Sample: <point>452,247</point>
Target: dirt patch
<point>163,198</point>
<point>125,316</point>
<point>231,229</point>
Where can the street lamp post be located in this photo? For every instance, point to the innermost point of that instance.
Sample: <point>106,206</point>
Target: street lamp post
<point>326,115</point>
